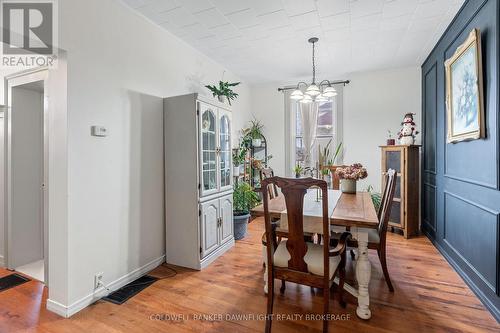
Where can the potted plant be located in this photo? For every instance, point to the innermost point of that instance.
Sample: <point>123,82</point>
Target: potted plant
<point>238,159</point>
<point>224,91</point>
<point>298,169</point>
<point>349,175</point>
<point>244,199</point>
<point>254,132</point>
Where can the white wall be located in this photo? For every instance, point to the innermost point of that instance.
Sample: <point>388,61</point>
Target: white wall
<point>268,106</point>
<point>373,103</point>
<point>119,67</point>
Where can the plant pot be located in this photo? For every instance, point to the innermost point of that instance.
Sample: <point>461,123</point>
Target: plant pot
<point>222,98</point>
<point>348,185</point>
<point>256,142</point>
<point>236,171</point>
<point>391,142</point>
<point>297,175</point>
<point>240,225</point>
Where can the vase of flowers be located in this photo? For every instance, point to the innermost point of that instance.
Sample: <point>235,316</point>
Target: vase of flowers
<point>349,175</point>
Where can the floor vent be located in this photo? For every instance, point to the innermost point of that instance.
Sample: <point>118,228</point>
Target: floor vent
<point>133,288</point>
<point>11,281</point>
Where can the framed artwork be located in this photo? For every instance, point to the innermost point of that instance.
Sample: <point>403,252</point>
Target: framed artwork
<point>464,91</point>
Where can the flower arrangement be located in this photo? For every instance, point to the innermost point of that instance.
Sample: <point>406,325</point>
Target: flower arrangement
<point>352,172</point>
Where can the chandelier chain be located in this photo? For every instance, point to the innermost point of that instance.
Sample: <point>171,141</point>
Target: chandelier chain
<point>314,65</point>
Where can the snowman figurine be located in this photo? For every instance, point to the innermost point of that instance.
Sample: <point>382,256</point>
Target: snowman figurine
<point>406,135</point>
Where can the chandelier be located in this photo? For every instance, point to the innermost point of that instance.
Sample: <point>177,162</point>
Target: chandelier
<point>313,92</point>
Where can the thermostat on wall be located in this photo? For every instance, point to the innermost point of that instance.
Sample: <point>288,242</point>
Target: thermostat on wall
<point>98,131</point>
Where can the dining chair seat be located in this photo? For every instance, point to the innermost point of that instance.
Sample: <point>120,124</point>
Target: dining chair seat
<point>313,258</point>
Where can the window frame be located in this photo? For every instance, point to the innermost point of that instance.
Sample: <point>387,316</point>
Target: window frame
<point>290,128</point>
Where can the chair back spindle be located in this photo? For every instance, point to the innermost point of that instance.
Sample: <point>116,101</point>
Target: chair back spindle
<point>271,188</point>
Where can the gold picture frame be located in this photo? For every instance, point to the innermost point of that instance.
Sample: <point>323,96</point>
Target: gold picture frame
<point>464,91</point>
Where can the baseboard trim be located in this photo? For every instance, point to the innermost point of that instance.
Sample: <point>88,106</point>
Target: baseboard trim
<point>68,311</point>
<point>475,289</point>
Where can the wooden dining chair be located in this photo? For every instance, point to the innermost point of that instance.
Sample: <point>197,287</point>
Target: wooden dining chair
<point>271,189</point>
<point>296,260</point>
<point>377,238</point>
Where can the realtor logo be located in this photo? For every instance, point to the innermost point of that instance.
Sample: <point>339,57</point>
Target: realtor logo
<point>28,32</point>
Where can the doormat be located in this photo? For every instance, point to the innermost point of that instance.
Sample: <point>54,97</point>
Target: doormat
<point>11,281</point>
<point>121,295</point>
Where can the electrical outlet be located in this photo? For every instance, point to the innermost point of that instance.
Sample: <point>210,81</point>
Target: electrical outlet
<point>98,280</point>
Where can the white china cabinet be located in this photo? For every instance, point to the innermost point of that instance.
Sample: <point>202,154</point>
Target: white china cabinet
<point>198,180</point>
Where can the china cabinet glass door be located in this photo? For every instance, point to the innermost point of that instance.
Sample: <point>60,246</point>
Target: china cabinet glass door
<point>208,124</point>
<point>224,151</point>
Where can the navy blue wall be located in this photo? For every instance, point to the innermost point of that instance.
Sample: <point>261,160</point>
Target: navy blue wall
<point>461,181</point>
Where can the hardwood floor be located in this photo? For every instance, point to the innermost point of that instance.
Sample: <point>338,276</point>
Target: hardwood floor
<point>429,297</point>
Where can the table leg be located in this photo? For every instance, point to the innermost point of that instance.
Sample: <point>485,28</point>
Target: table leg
<point>363,273</point>
<point>264,256</point>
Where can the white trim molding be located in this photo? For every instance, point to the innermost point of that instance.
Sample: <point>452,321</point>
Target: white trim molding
<point>2,261</point>
<point>68,311</point>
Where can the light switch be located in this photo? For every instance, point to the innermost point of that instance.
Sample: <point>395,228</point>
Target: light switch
<point>98,131</point>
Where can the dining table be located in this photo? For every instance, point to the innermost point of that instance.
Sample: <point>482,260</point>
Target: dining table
<point>353,212</point>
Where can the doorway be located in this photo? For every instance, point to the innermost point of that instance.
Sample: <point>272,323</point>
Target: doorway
<point>26,175</point>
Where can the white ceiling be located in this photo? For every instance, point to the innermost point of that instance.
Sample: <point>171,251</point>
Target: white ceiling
<point>266,40</point>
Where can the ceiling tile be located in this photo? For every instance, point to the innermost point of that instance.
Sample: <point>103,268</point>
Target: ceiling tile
<point>297,7</point>
<point>304,21</point>
<point>224,32</point>
<point>398,8</point>
<point>194,6</point>
<point>332,7</point>
<point>338,21</point>
<point>266,6</point>
<point>275,19</point>
<point>231,6</point>
<point>433,8</point>
<point>211,18</point>
<point>371,22</point>
<point>365,7</point>
<point>163,5</point>
<point>244,18</point>
<point>179,16</point>
<point>398,22</point>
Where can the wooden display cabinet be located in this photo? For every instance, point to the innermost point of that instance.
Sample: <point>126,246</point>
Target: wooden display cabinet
<point>405,209</point>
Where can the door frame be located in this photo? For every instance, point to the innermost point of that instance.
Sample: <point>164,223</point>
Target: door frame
<point>11,81</point>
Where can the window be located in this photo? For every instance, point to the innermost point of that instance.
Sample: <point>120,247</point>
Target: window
<point>324,130</point>
<point>329,127</point>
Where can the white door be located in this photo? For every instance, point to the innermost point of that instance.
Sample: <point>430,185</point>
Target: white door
<point>225,151</point>
<point>209,226</point>
<point>226,214</point>
<point>207,128</point>
<point>26,166</point>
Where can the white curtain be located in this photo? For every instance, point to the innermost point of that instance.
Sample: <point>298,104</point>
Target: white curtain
<point>309,117</point>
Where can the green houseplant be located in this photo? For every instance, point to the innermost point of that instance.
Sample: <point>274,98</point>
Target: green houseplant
<point>244,199</point>
<point>298,169</point>
<point>238,159</point>
<point>224,90</point>
<point>376,197</point>
<point>254,132</point>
